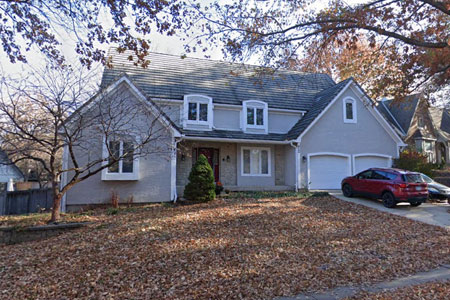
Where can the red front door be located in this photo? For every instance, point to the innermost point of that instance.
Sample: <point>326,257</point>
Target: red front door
<point>213,158</point>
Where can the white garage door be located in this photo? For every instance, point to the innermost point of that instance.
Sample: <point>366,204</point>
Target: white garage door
<point>370,161</point>
<point>327,171</point>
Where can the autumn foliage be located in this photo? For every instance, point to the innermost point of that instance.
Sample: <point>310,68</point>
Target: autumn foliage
<point>404,44</point>
<point>414,161</point>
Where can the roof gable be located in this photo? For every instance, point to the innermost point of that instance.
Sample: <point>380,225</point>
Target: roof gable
<point>140,96</point>
<point>322,100</point>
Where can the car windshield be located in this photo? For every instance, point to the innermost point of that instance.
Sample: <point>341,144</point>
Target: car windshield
<point>413,178</point>
<point>426,178</point>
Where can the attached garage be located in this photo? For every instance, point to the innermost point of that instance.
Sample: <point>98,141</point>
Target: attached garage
<point>326,170</point>
<point>362,162</point>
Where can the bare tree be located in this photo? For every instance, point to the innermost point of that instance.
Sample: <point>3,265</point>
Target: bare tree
<point>53,111</point>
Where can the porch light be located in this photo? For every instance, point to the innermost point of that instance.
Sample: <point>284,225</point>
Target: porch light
<point>304,158</point>
<point>228,158</point>
<point>183,157</point>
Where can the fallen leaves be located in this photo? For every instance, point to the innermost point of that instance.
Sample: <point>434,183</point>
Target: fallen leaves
<point>228,249</point>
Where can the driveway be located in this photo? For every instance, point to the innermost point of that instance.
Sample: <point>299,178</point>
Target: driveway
<point>434,214</point>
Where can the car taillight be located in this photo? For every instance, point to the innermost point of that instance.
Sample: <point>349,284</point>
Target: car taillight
<point>403,185</point>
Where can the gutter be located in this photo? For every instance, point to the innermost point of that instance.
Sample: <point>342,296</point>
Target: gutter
<point>194,138</point>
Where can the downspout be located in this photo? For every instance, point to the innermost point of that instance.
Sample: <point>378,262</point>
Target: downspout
<point>297,167</point>
<point>174,195</point>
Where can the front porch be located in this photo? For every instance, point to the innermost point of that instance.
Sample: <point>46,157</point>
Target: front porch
<point>240,166</point>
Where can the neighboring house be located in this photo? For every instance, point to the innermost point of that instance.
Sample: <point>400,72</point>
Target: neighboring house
<point>423,127</point>
<point>285,131</point>
<point>8,170</point>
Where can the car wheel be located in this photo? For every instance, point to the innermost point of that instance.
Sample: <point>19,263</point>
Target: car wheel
<point>388,200</point>
<point>415,204</point>
<point>347,190</point>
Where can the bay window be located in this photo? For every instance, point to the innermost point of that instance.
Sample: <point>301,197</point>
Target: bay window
<point>255,161</point>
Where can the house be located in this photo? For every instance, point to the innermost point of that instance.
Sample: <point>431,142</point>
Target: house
<point>285,131</point>
<point>423,127</point>
<point>8,170</point>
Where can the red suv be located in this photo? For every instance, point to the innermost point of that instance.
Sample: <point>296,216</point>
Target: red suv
<point>391,185</point>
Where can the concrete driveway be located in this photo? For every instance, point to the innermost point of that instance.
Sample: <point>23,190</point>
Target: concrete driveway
<point>434,214</point>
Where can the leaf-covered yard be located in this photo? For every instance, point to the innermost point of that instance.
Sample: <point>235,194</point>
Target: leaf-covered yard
<point>236,248</point>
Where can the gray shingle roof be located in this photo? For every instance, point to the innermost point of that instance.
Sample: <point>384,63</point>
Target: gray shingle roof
<point>403,111</point>
<point>441,120</point>
<point>382,108</point>
<point>322,100</point>
<point>172,77</point>
<point>227,134</point>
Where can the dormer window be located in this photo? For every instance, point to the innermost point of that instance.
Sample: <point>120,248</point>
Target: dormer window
<point>198,110</point>
<point>255,116</point>
<point>349,110</point>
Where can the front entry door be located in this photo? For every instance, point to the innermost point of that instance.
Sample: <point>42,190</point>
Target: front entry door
<point>213,158</point>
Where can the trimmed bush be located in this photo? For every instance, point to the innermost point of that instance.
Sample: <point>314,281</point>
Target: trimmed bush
<point>201,185</point>
<point>414,161</point>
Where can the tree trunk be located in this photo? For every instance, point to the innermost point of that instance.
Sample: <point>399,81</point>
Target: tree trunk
<point>56,215</point>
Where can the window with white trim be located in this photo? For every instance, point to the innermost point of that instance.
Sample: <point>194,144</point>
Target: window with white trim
<point>119,155</point>
<point>255,161</point>
<point>255,115</point>
<point>349,110</point>
<point>198,110</point>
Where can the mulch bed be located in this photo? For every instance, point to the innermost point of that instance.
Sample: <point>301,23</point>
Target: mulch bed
<point>226,249</point>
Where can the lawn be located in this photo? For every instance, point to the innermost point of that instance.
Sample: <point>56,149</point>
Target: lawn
<point>233,248</point>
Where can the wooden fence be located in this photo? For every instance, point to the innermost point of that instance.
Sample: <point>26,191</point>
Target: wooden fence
<point>25,202</point>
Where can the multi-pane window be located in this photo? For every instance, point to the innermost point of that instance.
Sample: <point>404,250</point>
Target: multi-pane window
<point>198,111</point>
<point>255,116</point>
<point>121,157</point>
<point>255,161</point>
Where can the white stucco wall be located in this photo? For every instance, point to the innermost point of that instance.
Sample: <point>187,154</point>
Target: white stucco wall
<point>331,134</point>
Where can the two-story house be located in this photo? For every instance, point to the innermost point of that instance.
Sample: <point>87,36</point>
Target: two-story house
<point>284,131</point>
<point>423,127</point>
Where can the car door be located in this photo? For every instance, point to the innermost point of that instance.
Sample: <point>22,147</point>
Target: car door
<point>378,182</point>
<point>362,182</point>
